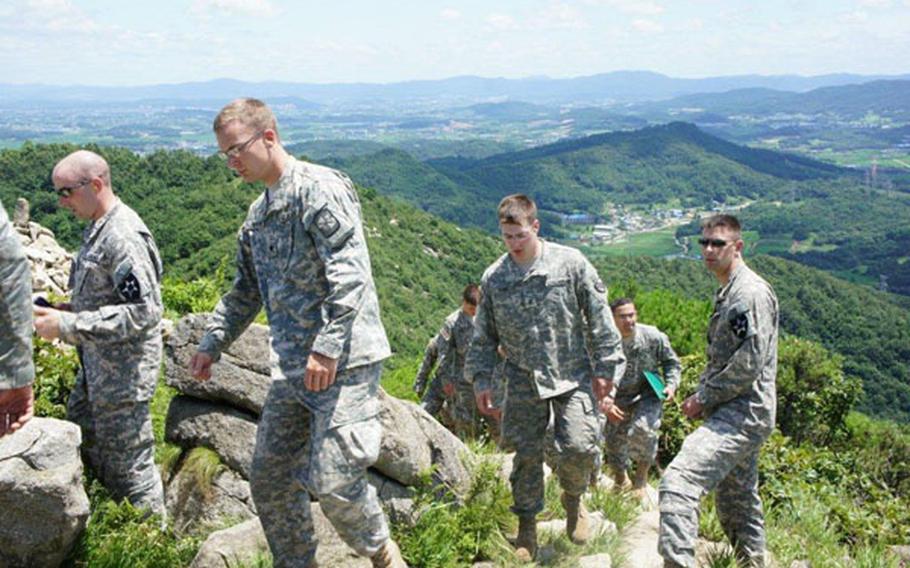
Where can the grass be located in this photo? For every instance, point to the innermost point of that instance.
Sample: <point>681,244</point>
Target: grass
<point>652,243</point>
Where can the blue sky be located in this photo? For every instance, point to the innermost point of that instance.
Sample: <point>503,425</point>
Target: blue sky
<point>118,42</point>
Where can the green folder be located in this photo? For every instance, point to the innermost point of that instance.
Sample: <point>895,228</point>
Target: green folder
<point>656,384</point>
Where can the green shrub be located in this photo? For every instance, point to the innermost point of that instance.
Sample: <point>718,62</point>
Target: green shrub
<point>450,534</point>
<point>55,375</point>
<point>119,535</point>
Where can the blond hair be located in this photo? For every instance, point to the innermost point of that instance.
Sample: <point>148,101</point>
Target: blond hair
<point>517,209</point>
<point>247,111</point>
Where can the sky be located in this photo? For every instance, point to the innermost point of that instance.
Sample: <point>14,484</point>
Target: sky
<point>118,42</point>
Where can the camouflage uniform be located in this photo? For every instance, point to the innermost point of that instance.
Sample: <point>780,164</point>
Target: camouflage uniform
<point>115,323</point>
<point>449,348</point>
<point>302,254</point>
<point>636,436</point>
<point>737,390</point>
<point>16,367</point>
<point>557,332</point>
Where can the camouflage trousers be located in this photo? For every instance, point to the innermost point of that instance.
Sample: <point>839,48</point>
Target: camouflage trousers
<point>575,444</point>
<point>722,456</point>
<point>320,443</point>
<point>635,438</point>
<point>118,444</point>
<point>434,398</point>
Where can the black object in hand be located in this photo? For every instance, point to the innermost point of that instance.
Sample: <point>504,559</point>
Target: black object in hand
<point>40,301</point>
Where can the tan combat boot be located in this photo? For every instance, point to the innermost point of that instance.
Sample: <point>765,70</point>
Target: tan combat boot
<point>389,556</point>
<point>526,543</point>
<point>578,526</point>
<point>620,480</point>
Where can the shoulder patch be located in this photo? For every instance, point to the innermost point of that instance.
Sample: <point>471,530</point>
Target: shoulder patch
<point>740,325</point>
<point>327,223</point>
<point>129,288</point>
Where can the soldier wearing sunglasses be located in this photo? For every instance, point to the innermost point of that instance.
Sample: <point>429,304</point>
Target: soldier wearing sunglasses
<point>114,320</point>
<point>736,397</point>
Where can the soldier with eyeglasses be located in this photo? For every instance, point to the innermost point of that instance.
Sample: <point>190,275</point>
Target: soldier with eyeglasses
<point>302,256</point>
<point>114,321</point>
<point>736,397</point>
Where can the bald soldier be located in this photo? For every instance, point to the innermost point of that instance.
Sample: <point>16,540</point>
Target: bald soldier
<point>17,372</point>
<point>114,320</point>
<point>545,306</point>
<point>302,255</point>
<point>736,396</point>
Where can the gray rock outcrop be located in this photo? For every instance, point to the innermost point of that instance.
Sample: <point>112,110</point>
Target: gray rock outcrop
<point>41,496</point>
<point>49,262</point>
<point>222,413</point>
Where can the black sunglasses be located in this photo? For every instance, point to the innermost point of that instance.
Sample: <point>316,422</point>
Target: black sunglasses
<point>716,243</point>
<point>66,191</point>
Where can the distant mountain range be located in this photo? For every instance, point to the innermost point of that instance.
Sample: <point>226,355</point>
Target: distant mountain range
<point>619,87</point>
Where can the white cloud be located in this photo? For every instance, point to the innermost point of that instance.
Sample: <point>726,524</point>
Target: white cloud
<point>559,16</point>
<point>502,21</point>
<point>875,3</point>
<point>252,7</point>
<point>855,17</point>
<point>450,14</point>
<point>52,16</point>
<point>635,7</point>
<point>647,26</point>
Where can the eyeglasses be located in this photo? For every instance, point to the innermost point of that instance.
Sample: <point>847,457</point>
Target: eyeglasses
<point>235,150</point>
<point>716,243</point>
<point>67,191</point>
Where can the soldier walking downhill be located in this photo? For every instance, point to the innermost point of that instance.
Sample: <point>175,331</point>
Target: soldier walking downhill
<point>546,307</point>
<point>736,396</point>
<point>17,372</point>
<point>302,255</point>
<point>114,320</point>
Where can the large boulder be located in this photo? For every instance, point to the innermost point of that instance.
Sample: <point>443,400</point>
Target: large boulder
<point>41,496</point>
<point>241,378</point>
<point>229,432</point>
<point>413,442</point>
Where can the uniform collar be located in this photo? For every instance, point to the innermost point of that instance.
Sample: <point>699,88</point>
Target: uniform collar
<point>278,189</point>
<point>724,290</point>
<point>92,230</point>
<point>540,266</point>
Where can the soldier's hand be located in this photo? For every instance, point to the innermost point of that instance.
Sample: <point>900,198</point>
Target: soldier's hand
<point>692,408</point>
<point>669,392</point>
<point>602,387</point>
<point>320,372</point>
<point>614,413</point>
<point>448,389</point>
<point>484,400</point>
<point>47,322</point>
<point>201,366</point>
<point>17,406</point>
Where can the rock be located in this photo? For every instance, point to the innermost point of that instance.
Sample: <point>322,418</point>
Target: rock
<point>229,432</point>
<point>902,553</point>
<point>595,561</point>
<point>193,505</point>
<point>639,541</point>
<point>800,564</point>
<point>397,500</point>
<point>242,376</point>
<point>41,496</point>
<point>21,215</point>
<point>413,441</point>
<point>239,545</point>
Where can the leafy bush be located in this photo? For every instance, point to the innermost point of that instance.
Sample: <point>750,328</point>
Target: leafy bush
<point>55,375</point>
<point>119,535</point>
<point>450,534</point>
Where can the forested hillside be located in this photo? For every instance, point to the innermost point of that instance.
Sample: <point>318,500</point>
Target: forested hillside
<point>194,206</point>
